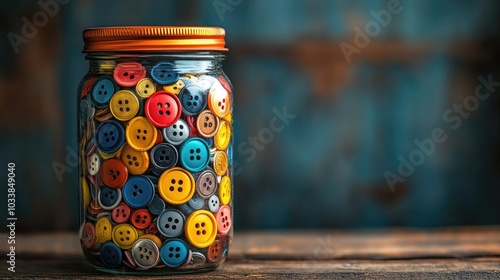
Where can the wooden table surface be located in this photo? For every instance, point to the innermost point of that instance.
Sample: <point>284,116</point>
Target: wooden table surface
<point>450,253</point>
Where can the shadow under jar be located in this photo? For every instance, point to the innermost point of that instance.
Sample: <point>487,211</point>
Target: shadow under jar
<point>155,150</point>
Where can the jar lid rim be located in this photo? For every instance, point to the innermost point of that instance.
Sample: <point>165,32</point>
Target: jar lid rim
<point>154,38</point>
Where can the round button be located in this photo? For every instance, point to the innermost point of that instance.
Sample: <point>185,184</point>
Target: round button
<point>220,163</point>
<point>121,213</point>
<point>110,136</point>
<point>113,173</point>
<point>176,186</point>
<point>135,161</point>
<point>145,253</point>
<point>174,252</point>
<point>103,230</point>
<point>193,99</point>
<point>124,105</point>
<point>224,221</point>
<point>163,109</point>
<point>88,235</point>
<point>219,101</point>
<point>170,223</point>
<point>214,252</point>
<point>164,156</point>
<point>145,88</point>
<point>111,255</point>
<point>195,154</point>
<point>109,198</point>
<point>213,203</point>
<point>206,184</point>
<point>85,192</point>
<point>93,164</point>
<point>223,136</point>
<point>196,202</point>
<point>198,260</point>
<point>138,191</point>
<point>127,74</point>
<point>141,134</point>
<point>207,124</point>
<point>176,87</point>
<point>124,235</point>
<point>156,206</point>
<point>141,218</point>
<point>164,74</point>
<point>103,90</point>
<point>176,133</point>
<point>201,228</point>
<point>225,190</point>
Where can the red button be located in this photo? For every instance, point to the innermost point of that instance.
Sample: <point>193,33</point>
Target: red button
<point>223,217</point>
<point>193,132</point>
<point>141,218</point>
<point>121,213</point>
<point>113,173</point>
<point>163,109</point>
<point>88,235</point>
<point>127,74</point>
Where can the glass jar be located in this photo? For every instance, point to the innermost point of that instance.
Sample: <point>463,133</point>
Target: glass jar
<point>155,150</point>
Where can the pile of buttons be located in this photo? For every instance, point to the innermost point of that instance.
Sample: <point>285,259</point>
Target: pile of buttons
<point>156,174</point>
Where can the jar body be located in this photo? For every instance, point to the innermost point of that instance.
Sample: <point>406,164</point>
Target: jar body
<point>155,162</point>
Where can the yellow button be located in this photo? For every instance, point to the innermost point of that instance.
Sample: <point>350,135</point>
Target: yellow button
<point>141,134</point>
<point>106,155</point>
<point>103,230</point>
<point>175,88</point>
<point>85,192</point>
<point>225,190</point>
<point>145,88</point>
<point>124,236</point>
<point>201,228</point>
<point>106,66</point>
<point>124,105</point>
<point>219,100</point>
<point>223,136</point>
<point>176,185</point>
<point>220,163</point>
<point>153,238</point>
<point>229,117</point>
<point>135,161</point>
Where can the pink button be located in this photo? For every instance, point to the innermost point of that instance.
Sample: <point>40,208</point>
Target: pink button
<point>223,217</point>
<point>163,109</point>
<point>127,74</point>
<point>121,213</point>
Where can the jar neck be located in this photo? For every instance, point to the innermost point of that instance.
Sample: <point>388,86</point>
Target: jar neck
<point>183,62</point>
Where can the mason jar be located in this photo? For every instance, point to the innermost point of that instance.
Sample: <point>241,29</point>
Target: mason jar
<point>155,143</point>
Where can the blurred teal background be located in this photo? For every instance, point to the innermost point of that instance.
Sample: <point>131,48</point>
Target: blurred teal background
<point>353,120</point>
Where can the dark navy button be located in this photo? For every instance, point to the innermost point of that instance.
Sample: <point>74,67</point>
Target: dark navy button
<point>164,74</point>
<point>103,90</point>
<point>156,206</point>
<point>109,198</point>
<point>195,154</point>
<point>186,209</point>
<point>138,191</point>
<point>111,255</point>
<point>176,133</point>
<point>110,136</point>
<point>164,156</point>
<point>170,223</point>
<point>174,252</point>
<point>193,99</point>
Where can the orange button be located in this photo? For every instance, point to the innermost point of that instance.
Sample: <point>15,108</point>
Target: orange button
<point>207,124</point>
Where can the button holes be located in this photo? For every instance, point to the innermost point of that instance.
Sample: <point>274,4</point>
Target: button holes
<point>144,138</point>
<point>132,77</point>
<point>198,158</point>
<point>177,249</point>
<point>167,226</point>
<point>167,104</point>
<point>205,125</point>
<point>169,75</point>
<point>174,133</point>
<point>174,227</point>
<point>167,158</point>
<point>204,184</point>
<point>143,222</point>
<point>197,232</point>
<point>112,138</point>
<point>102,86</point>
<point>160,113</point>
<point>134,194</point>
<point>180,182</point>
<point>135,187</point>
<point>138,137</point>
<point>105,92</point>
<point>219,104</point>
<point>112,197</point>
<point>191,158</point>
<point>168,113</point>
<point>207,178</point>
<point>190,97</point>
<point>161,75</point>
<point>106,195</point>
<point>198,150</point>
<point>121,239</point>
<point>140,191</point>
<point>195,104</point>
<point>196,97</point>
<point>173,181</point>
<point>191,151</point>
<point>127,238</point>
<point>136,164</point>
<point>127,109</point>
<point>147,258</point>
<point>117,173</point>
<point>124,215</point>
<point>171,249</point>
<point>197,225</point>
<point>162,158</point>
<point>120,102</point>
<point>222,107</point>
<point>159,105</point>
<point>179,189</point>
<point>96,159</point>
<point>145,131</point>
<point>171,188</point>
<point>100,92</point>
<point>181,126</point>
<point>203,232</point>
<point>111,133</point>
<point>170,255</point>
<point>113,177</point>
<point>125,74</point>
<point>111,171</point>
<point>188,103</point>
<point>145,91</point>
<point>105,134</point>
<point>130,162</point>
<point>150,253</point>
<point>202,224</point>
<point>126,101</point>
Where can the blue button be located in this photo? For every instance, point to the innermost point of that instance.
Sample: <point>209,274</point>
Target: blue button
<point>196,202</point>
<point>110,136</point>
<point>109,198</point>
<point>103,90</point>
<point>176,133</point>
<point>170,223</point>
<point>164,156</point>
<point>195,154</point>
<point>174,252</point>
<point>186,209</point>
<point>111,255</point>
<point>164,74</point>
<point>193,99</point>
<point>210,141</point>
<point>138,191</point>
<point>156,206</point>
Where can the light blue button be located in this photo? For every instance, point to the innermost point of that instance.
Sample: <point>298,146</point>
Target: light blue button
<point>170,223</point>
<point>138,191</point>
<point>164,74</point>
<point>195,154</point>
<point>174,252</point>
<point>103,90</point>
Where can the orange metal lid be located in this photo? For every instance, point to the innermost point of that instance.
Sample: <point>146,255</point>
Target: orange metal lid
<point>154,38</point>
